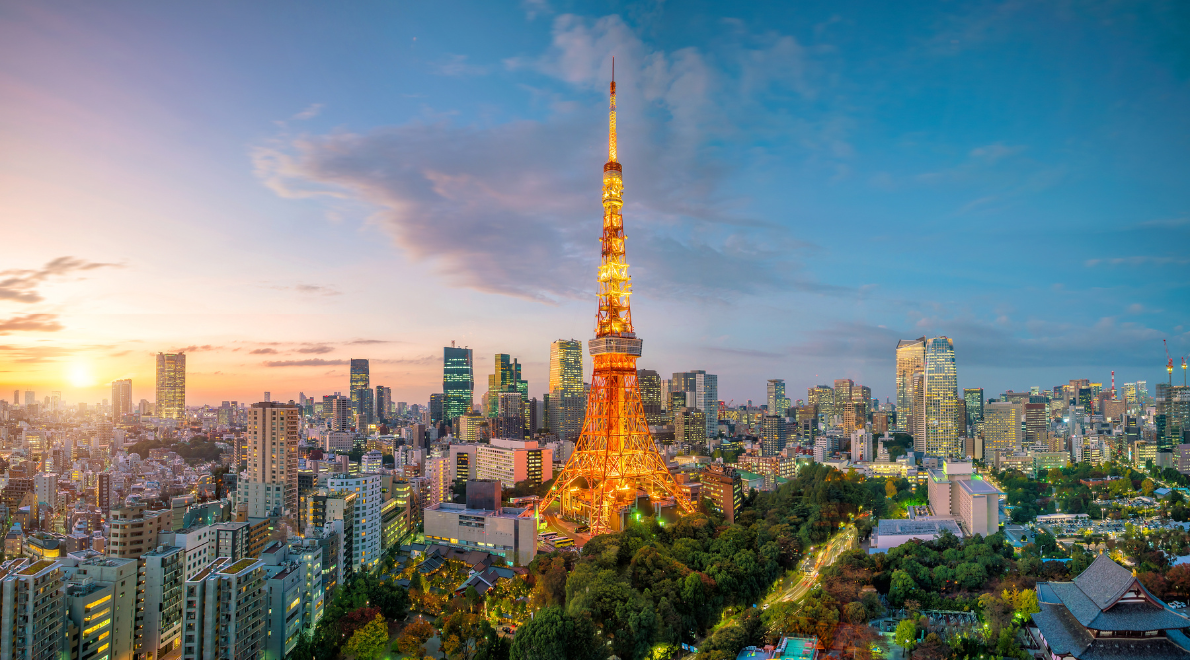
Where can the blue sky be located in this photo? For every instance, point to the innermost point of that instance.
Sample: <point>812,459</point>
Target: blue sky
<point>283,186</point>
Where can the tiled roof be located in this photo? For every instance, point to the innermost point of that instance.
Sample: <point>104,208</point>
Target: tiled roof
<point>1062,632</point>
<point>1134,649</point>
<point>1104,581</point>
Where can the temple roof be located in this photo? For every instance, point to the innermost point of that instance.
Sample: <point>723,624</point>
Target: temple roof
<point>1092,600</point>
<point>1104,581</point>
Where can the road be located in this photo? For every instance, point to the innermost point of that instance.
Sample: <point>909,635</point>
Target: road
<point>825,556</point>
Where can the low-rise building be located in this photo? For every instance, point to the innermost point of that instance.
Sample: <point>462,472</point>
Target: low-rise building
<point>226,611</point>
<point>891,533</point>
<point>954,490</point>
<point>484,525</point>
<point>724,487</point>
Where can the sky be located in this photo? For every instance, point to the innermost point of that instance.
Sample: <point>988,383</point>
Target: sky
<point>278,187</point>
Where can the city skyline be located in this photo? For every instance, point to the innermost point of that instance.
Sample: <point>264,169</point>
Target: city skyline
<point>776,181</point>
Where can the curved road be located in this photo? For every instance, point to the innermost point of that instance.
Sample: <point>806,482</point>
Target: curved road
<point>824,557</point>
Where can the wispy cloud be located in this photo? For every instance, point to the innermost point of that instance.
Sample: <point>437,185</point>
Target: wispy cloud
<point>30,323</point>
<point>317,349</point>
<point>457,65</point>
<point>194,348</point>
<point>21,285</point>
<point>311,111</point>
<point>263,351</point>
<point>314,362</point>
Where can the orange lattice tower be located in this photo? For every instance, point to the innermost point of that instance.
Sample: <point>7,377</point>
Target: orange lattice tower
<point>615,459</point>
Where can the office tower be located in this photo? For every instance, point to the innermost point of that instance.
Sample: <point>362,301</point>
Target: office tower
<point>911,355</point>
<point>1036,423</point>
<point>705,388</point>
<point>458,382</point>
<point>509,421</point>
<point>822,398</point>
<point>505,377</point>
<point>773,435</point>
<point>56,401</point>
<point>227,605</point>
<point>269,486</point>
<point>16,397</point>
<point>777,401</point>
<point>1173,416</point>
<point>941,398</point>
<point>121,398</point>
<point>384,402</point>
<point>30,398</point>
<point>437,408</point>
<point>843,388</point>
<point>31,602</point>
<point>366,551</point>
<point>360,383</point>
<point>268,396</point>
<point>342,417</point>
<point>652,398</point>
<point>615,457</point>
<point>171,386</point>
<point>568,401</point>
<point>974,398</point>
<point>1002,427</point>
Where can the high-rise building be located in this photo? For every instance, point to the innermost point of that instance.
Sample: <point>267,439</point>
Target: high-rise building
<point>773,435</point>
<point>269,487</point>
<point>778,403</point>
<point>30,398</point>
<point>974,399</point>
<point>31,602</point>
<point>706,395</point>
<point>911,356</point>
<point>171,386</point>
<point>365,554</point>
<point>360,383</point>
<point>341,415</point>
<point>437,408</point>
<point>458,382</point>
<point>226,606</point>
<point>652,397</point>
<point>941,401</point>
<point>1036,423</point>
<point>514,461</point>
<point>1173,416</point>
<point>384,402</point>
<point>1002,427</point>
<point>509,421</point>
<point>568,400</point>
<point>822,399</point>
<point>121,398</point>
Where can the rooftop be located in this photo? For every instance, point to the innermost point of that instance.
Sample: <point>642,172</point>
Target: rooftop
<point>918,526</point>
<point>978,487</point>
<point>240,566</point>
<point>36,567</point>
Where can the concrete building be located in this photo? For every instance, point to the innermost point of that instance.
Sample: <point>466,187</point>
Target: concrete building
<point>724,487</point>
<point>226,611</point>
<point>366,536</point>
<point>484,524</point>
<point>269,486</point>
<point>120,574</point>
<point>159,614</point>
<point>31,609</point>
<point>88,618</point>
<point>171,386</point>
<point>891,533</point>
<point>974,503</point>
<point>514,461</point>
<point>133,530</point>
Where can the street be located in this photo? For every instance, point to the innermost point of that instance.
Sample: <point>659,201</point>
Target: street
<point>826,556</point>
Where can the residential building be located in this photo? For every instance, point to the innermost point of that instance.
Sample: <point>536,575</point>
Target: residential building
<point>269,487</point>
<point>45,488</point>
<point>171,386</point>
<point>365,551</point>
<point>159,595</point>
<point>652,397</point>
<point>31,605</point>
<point>133,530</point>
<point>773,434</point>
<point>122,575</point>
<point>226,611</point>
<point>121,398</point>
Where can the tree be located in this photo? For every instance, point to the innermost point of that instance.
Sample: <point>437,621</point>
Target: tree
<point>555,635</point>
<point>901,587</point>
<point>855,612</point>
<point>1054,476</point>
<point>890,489</point>
<point>906,634</point>
<point>1147,487</point>
<point>414,636</point>
<point>370,641</point>
<point>970,575</point>
<point>996,614</point>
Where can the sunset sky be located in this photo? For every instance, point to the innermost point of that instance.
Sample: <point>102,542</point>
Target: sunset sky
<point>278,187</point>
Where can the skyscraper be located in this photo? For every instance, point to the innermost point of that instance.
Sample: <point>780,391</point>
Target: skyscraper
<point>360,390</point>
<point>653,396</point>
<point>568,400</point>
<point>777,401</point>
<point>458,382</point>
<point>270,485</point>
<point>171,386</point>
<point>941,400</point>
<point>121,398</point>
<point>974,398</point>
<point>384,401</point>
<point>911,355</point>
<point>706,395</point>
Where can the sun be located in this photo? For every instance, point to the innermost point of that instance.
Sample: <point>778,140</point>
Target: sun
<point>80,375</point>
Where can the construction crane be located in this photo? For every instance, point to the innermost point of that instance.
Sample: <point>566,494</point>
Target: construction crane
<point>1183,371</point>
<point>1169,362</point>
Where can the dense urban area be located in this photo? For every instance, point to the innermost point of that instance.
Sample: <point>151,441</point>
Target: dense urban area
<point>939,525</point>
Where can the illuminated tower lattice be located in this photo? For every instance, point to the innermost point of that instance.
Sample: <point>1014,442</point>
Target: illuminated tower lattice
<point>615,460</point>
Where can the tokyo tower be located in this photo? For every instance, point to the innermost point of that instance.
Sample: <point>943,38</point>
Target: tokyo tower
<point>615,461</point>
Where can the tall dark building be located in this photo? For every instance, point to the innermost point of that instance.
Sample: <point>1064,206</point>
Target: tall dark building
<point>974,399</point>
<point>458,382</point>
<point>361,390</point>
<point>649,384</point>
